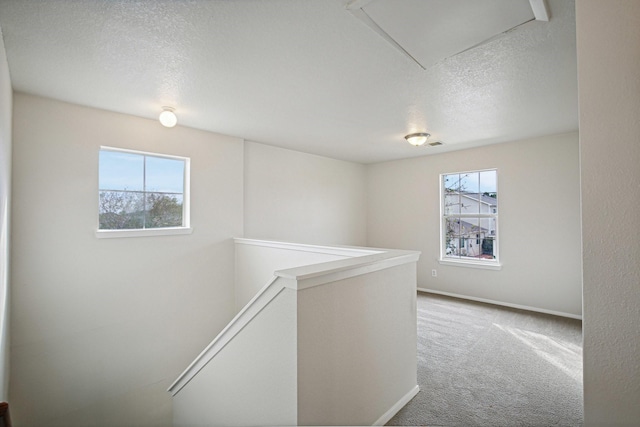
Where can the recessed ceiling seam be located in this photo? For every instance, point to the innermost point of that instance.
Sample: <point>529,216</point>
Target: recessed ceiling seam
<point>356,8</point>
<point>366,19</point>
<point>490,39</point>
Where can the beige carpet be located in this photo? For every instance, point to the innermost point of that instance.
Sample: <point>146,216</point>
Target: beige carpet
<point>484,365</point>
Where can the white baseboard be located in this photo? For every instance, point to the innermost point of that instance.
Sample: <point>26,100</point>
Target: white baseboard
<point>395,408</point>
<point>506,304</point>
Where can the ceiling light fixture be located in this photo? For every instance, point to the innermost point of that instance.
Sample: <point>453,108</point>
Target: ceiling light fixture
<point>417,139</point>
<point>168,117</point>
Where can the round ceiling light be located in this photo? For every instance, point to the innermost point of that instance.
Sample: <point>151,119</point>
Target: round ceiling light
<point>168,117</point>
<point>417,139</point>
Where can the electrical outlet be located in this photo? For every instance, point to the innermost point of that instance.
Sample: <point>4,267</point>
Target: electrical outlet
<point>434,273</point>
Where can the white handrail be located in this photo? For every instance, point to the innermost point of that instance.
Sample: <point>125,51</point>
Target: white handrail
<point>319,274</point>
<point>350,251</point>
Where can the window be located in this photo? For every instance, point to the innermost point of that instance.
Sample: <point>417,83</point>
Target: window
<point>469,207</point>
<point>142,194</point>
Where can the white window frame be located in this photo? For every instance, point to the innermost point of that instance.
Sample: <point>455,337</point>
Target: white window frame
<point>144,232</point>
<point>493,264</point>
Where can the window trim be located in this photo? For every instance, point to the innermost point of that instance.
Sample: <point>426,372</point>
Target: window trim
<point>485,265</point>
<point>145,232</point>
<point>494,264</point>
<point>142,232</point>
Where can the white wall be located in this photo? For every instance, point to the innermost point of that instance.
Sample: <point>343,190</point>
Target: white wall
<point>101,327</point>
<point>253,380</point>
<point>608,40</point>
<point>6,106</point>
<point>255,264</point>
<point>357,348</point>
<point>298,197</point>
<point>539,223</point>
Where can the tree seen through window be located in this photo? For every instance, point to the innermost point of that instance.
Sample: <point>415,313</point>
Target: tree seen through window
<point>140,190</point>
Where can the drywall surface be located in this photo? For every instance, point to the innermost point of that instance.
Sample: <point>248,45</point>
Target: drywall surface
<point>252,381</point>
<point>539,221</point>
<point>101,327</point>
<point>304,198</point>
<point>6,107</point>
<point>356,361</point>
<point>255,265</point>
<point>608,39</point>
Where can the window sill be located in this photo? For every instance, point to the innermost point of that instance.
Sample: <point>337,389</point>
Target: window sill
<point>472,264</point>
<point>147,232</point>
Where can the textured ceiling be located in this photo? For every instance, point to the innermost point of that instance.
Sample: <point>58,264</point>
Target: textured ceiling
<point>300,74</point>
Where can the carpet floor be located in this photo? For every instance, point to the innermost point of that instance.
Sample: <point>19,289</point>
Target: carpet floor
<point>481,365</point>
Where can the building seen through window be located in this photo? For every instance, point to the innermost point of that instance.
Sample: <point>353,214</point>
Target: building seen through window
<point>469,206</point>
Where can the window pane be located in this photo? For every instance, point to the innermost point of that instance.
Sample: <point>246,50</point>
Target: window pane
<point>451,185</point>
<point>466,227</point>
<point>470,199</point>
<point>470,182</point>
<point>469,234</point>
<point>164,175</point>
<point>451,203</point>
<point>488,182</point>
<point>121,210</point>
<point>487,204</point>
<point>469,203</point>
<point>473,245</point>
<point>488,226</point>
<point>121,171</point>
<point>472,226</point>
<point>488,248</point>
<point>488,188</point>
<point>163,210</point>
<point>451,226</point>
<point>451,182</point>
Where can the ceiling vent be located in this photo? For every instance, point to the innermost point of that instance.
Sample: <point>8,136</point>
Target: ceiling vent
<point>435,143</point>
